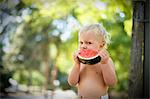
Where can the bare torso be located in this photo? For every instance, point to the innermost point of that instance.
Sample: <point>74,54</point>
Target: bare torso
<point>91,84</point>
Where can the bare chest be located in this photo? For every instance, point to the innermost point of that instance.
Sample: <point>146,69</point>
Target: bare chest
<point>91,80</point>
<point>90,70</point>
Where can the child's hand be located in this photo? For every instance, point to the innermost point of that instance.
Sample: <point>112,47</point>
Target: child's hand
<point>75,57</point>
<point>104,56</point>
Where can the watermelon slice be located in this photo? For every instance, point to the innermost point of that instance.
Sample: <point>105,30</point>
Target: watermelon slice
<point>90,57</point>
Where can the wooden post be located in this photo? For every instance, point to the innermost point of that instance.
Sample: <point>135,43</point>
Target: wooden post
<point>136,70</point>
<point>146,51</point>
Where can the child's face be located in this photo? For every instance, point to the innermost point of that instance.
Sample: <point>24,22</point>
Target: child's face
<point>90,40</point>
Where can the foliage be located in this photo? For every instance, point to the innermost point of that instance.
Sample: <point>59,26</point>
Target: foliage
<point>46,32</point>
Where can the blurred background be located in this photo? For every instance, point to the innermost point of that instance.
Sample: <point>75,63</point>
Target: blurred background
<point>38,38</point>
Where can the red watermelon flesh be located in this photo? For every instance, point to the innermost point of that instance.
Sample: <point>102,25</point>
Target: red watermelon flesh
<point>87,54</point>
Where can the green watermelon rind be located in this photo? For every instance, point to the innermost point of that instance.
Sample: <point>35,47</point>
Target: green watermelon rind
<point>90,61</point>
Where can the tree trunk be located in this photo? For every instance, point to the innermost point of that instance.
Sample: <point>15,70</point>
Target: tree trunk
<point>46,62</point>
<point>136,70</point>
<point>146,51</point>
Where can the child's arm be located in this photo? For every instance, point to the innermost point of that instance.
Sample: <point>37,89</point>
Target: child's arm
<point>108,69</point>
<point>73,77</point>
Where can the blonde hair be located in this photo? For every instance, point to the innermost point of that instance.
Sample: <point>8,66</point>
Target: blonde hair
<point>98,29</point>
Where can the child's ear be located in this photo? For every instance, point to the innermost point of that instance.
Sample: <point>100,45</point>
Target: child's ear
<point>102,44</point>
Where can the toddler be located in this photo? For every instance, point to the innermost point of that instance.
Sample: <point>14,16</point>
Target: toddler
<point>92,81</point>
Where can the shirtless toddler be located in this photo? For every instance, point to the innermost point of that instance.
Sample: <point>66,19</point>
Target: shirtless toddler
<point>92,81</point>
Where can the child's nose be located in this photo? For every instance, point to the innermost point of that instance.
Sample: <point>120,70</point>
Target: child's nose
<point>84,47</point>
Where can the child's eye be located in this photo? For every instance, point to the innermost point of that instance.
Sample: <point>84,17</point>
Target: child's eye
<point>81,42</point>
<point>89,42</point>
